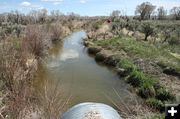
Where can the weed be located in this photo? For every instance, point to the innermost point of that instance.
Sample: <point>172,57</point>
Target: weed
<point>155,103</point>
<point>52,101</point>
<point>96,24</point>
<point>126,64</point>
<point>131,108</point>
<point>154,116</point>
<point>164,95</point>
<point>147,90</point>
<point>136,78</point>
<point>142,50</point>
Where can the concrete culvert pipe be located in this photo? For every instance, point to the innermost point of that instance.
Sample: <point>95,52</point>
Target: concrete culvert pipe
<point>91,111</point>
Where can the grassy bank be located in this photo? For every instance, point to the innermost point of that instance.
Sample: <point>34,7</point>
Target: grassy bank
<point>147,85</point>
<point>147,65</point>
<point>141,49</point>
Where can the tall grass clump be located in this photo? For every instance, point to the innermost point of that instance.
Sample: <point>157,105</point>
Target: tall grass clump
<point>147,90</point>
<point>164,95</point>
<point>136,78</point>
<point>126,64</point>
<point>155,104</point>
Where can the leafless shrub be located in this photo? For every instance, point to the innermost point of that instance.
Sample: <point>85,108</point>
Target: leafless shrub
<point>16,79</point>
<point>57,31</point>
<point>17,75</point>
<point>32,40</point>
<point>70,25</point>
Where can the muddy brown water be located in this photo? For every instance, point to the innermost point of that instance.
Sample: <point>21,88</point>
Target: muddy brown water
<point>80,76</point>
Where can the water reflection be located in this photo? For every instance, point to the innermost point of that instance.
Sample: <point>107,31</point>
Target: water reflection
<point>80,75</point>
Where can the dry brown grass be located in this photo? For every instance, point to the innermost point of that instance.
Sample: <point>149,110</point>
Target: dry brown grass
<point>131,108</point>
<point>52,101</point>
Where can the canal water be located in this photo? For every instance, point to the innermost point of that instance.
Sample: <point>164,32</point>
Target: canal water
<point>77,75</point>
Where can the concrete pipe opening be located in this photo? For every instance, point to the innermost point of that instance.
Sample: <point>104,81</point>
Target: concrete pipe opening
<point>90,110</point>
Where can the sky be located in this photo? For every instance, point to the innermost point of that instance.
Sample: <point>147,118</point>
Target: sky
<point>82,7</point>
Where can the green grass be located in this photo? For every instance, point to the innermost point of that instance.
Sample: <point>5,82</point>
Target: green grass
<point>148,87</point>
<point>136,78</point>
<point>155,103</point>
<point>164,95</point>
<point>142,49</point>
<point>147,90</point>
<point>126,64</point>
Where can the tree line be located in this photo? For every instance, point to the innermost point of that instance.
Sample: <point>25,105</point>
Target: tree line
<point>36,16</point>
<point>146,11</point>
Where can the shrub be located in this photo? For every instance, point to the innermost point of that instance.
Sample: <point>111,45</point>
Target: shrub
<point>163,95</point>
<point>15,78</point>
<point>115,26</point>
<point>174,40</point>
<point>57,31</point>
<point>136,78</point>
<point>122,23</point>
<point>96,24</point>
<point>8,64</point>
<point>9,28</point>
<point>32,40</point>
<point>147,29</point>
<point>132,25</point>
<point>18,28</point>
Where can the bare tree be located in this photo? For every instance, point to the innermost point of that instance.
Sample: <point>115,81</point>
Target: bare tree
<point>175,11</point>
<point>2,18</point>
<point>33,16</point>
<point>11,17</point>
<point>145,10</point>
<point>72,16</point>
<point>55,15</point>
<point>162,13</point>
<point>42,15</point>
<point>115,14</point>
